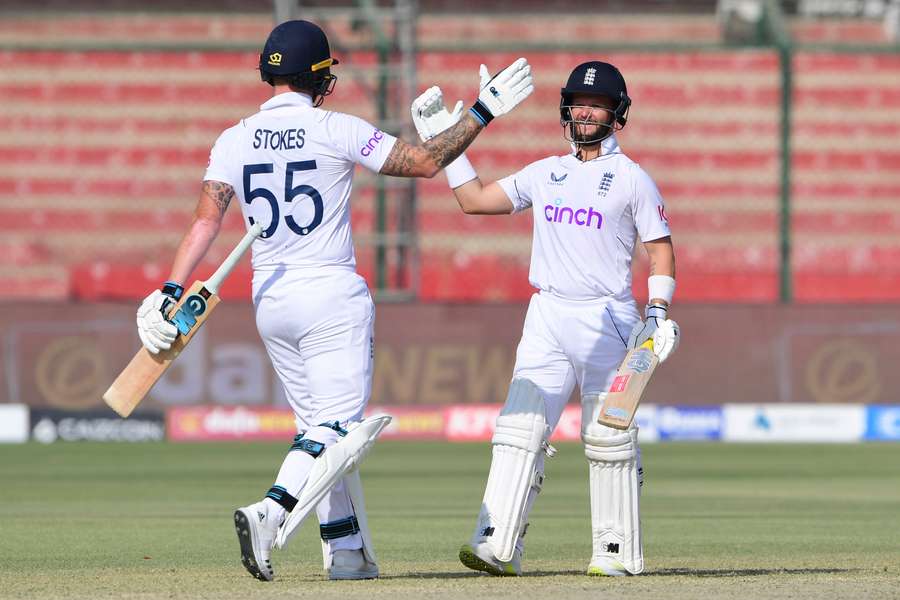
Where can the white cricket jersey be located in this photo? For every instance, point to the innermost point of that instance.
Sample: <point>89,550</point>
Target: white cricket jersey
<point>291,167</point>
<point>587,218</point>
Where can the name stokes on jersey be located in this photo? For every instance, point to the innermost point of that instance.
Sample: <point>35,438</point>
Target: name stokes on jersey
<point>285,139</point>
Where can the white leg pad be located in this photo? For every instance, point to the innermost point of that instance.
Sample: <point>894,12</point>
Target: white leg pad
<point>357,499</point>
<point>615,484</point>
<point>520,434</point>
<point>338,459</point>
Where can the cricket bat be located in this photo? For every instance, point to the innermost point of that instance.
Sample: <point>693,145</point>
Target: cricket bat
<point>628,386</point>
<point>135,381</point>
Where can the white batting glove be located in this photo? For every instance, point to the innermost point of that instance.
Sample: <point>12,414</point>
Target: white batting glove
<point>430,115</point>
<point>155,331</point>
<point>664,332</point>
<point>503,92</point>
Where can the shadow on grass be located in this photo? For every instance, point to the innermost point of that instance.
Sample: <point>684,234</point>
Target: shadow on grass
<point>475,575</point>
<point>741,572</point>
<point>657,573</point>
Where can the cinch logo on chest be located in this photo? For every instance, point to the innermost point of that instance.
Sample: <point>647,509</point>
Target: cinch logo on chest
<point>583,217</point>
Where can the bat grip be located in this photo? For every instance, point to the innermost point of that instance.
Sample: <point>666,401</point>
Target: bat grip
<point>213,283</point>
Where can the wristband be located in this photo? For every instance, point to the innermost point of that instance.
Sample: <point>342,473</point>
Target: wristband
<point>481,113</point>
<point>660,286</point>
<point>460,171</point>
<point>656,311</point>
<point>172,289</point>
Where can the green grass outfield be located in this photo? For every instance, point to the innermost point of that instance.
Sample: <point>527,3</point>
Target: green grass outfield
<point>154,521</point>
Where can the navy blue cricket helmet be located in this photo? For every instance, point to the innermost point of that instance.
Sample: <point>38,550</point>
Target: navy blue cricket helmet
<point>298,51</point>
<point>601,79</point>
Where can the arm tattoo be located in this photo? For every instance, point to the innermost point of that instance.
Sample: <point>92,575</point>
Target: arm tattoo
<point>220,193</point>
<point>447,146</point>
<point>405,160</point>
<point>401,161</point>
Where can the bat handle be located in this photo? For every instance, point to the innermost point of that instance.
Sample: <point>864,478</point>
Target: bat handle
<point>213,283</point>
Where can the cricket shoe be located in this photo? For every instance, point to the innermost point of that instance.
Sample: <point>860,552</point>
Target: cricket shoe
<point>478,557</point>
<point>603,566</point>
<point>351,564</point>
<point>256,532</point>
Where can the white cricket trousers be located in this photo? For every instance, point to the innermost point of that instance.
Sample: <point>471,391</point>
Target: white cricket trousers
<point>317,327</point>
<point>565,342</point>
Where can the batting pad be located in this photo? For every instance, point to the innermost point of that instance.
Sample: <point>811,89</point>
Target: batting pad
<point>615,495</point>
<point>338,459</point>
<point>519,435</point>
<point>357,500</point>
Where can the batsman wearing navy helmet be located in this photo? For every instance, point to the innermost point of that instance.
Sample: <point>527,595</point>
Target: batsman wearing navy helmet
<point>590,208</point>
<point>290,166</point>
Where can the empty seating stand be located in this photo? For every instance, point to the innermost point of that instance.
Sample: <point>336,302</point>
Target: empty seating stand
<point>102,152</point>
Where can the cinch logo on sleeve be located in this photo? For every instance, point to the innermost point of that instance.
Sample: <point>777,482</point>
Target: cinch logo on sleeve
<point>584,217</point>
<point>373,141</point>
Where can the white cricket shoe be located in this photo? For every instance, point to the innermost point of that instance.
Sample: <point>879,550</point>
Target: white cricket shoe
<point>256,532</point>
<point>478,557</point>
<point>603,566</point>
<point>351,564</point>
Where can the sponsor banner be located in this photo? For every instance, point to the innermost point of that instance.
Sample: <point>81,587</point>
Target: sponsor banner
<point>793,423</point>
<point>647,422</point>
<point>13,423</point>
<point>882,423</point>
<point>229,423</point>
<point>64,356</point>
<point>219,423</point>
<point>411,423</point>
<point>48,426</point>
<point>689,422</point>
<point>569,427</point>
<point>470,423</point>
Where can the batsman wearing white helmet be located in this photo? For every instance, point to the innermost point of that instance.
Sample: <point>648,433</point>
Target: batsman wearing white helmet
<point>590,209</point>
<point>291,166</point>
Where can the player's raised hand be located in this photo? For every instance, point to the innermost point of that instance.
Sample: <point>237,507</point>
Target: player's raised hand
<point>155,331</point>
<point>504,91</point>
<point>430,115</point>
<point>664,333</point>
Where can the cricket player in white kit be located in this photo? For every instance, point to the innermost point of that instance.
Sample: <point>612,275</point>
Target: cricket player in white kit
<point>590,208</point>
<point>290,166</point>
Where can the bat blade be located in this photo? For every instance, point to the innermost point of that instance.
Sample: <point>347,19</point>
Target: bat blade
<point>627,387</point>
<point>136,380</point>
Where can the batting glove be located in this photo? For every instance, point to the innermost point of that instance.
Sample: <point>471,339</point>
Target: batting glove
<point>430,115</point>
<point>503,92</point>
<point>154,329</point>
<point>664,333</point>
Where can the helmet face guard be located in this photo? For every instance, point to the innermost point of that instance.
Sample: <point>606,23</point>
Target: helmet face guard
<point>298,51</point>
<point>594,78</point>
<point>615,120</point>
